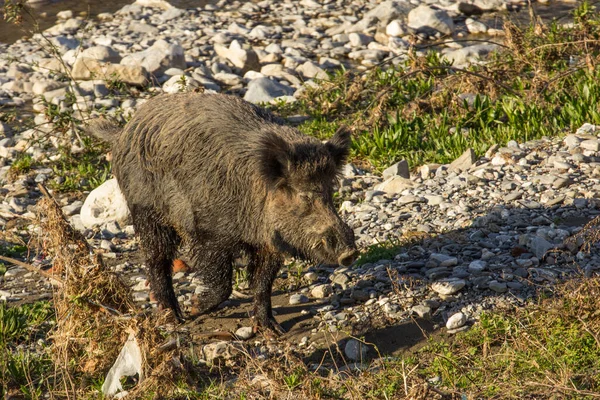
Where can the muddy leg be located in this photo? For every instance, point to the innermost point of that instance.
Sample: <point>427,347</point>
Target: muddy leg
<point>213,263</point>
<point>159,243</point>
<point>263,269</point>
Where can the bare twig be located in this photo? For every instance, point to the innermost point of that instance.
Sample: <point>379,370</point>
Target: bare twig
<point>31,268</point>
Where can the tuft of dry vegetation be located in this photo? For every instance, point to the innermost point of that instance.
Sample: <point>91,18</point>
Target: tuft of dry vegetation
<point>95,313</point>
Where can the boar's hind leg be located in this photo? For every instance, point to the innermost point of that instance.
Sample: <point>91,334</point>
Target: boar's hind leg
<point>159,243</point>
<point>263,268</point>
<point>214,267</point>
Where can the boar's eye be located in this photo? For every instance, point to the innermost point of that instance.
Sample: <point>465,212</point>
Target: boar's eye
<point>306,197</point>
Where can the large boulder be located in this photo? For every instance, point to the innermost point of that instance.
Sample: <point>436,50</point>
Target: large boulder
<point>88,69</point>
<point>158,58</point>
<point>105,204</point>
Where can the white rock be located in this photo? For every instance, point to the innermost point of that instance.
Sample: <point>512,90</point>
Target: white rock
<point>244,59</point>
<point>396,28</point>
<point>469,54</point>
<point>475,27</point>
<point>359,39</point>
<point>464,162</point>
<point>321,291</point>
<point>66,14</point>
<point>245,332</point>
<point>161,56</point>
<point>456,321</point>
<point>395,184</point>
<point>448,286</point>
<point>180,83</point>
<point>298,298</point>
<point>592,145</point>
<point>389,10</point>
<point>425,18</point>
<point>398,169</point>
<point>311,70</point>
<point>264,90</point>
<point>101,53</point>
<point>219,350</point>
<point>104,204</point>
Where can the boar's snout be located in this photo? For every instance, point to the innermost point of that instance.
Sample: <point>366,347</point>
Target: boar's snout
<point>348,258</point>
<point>339,245</point>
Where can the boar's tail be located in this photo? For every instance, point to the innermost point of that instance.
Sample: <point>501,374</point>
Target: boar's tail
<point>104,130</point>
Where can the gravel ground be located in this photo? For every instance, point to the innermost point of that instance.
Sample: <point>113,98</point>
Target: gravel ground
<point>489,233</point>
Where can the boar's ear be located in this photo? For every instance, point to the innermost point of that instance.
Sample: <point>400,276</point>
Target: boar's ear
<point>339,145</point>
<point>275,157</point>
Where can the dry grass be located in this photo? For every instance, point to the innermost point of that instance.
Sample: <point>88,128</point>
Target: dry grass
<point>95,313</point>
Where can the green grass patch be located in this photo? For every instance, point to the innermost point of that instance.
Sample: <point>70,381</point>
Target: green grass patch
<point>544,82</point>
<point>15,250</point>
<point>547,349</point>
<point>85,170</point>
<point>388,249</point>
<point>24,372</point>
<point>21,164</point>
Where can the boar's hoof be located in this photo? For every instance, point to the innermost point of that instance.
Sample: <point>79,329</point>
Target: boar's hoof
<point>177,314</point>
<point>270,327</point>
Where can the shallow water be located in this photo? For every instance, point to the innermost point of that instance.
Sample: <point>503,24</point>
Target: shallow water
<point>45,13</point>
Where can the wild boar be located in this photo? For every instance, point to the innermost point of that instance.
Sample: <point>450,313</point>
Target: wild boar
<point>224,176</point>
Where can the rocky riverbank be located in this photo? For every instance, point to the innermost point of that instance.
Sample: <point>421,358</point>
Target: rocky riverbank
<point>488,232</point>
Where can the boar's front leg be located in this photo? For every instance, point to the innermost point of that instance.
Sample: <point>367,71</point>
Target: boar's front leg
<point>263,268</point>
<point>213,262</point>
<point>159,243</point>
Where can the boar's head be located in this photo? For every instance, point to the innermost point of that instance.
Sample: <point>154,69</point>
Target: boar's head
<point>301,217</point>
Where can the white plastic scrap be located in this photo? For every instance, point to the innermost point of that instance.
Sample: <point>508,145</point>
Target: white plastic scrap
<point>128,363</point>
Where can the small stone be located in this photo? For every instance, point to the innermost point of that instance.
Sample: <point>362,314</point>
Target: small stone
<point>422,311</point>
<point>498,287</point>
<point>448,286</point>
<point>219,350</point>
<point>321,291</point>
<point>443,260</point>
<point>263,90</point>
<point>355,350</point>
<point>456,321</point>
<point>359,39</point>
<point>539,246</point>
<point>464,162</point>
<point>245,332</point>
<point>425,19</point>
<point>396,28</point>
<point>475,27</point>
<point>592,145</point>
<point>298,299</point>
<point>311,277</point>
<point>395,184</point>
<point>477,266</point>
<point>399,169</point>
<point>572,141</point>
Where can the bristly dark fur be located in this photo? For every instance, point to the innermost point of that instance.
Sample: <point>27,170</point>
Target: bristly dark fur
<point>223,175</point>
